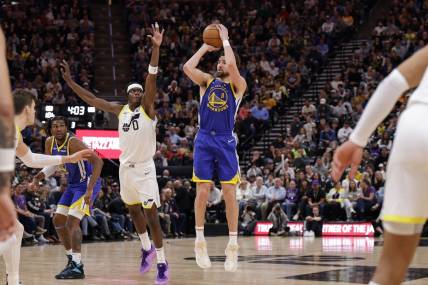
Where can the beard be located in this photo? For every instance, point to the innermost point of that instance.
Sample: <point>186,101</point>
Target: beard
<point>221,74</point>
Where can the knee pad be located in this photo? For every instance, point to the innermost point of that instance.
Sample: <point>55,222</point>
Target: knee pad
<point>403,229</point>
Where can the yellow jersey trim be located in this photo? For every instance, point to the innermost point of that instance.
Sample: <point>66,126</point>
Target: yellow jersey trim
<point>133,203</point>
<point>197,179</point>
<point>145,114</point>
<point>208,85</point>
<point>123,110</point>
<point>404,220</point>
<point>235,180</point>
<point>52,144</point>
<point>233,90</point>
<point>63,144</point>
<point>18,131</point>
<point>81,206</point>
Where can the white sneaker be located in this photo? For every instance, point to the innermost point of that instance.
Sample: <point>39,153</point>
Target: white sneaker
<point>231,263</point>
<point>201,253</point>
<point>42,239</point>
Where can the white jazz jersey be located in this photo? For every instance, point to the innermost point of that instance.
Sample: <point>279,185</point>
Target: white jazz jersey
<point>137,136</point>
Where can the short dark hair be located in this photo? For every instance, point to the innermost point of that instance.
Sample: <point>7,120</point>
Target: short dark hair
<point>21,99</point>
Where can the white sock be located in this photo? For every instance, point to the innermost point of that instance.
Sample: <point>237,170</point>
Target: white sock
<point>68,252</point>
<point>373,283</point>
<point>160,253</point>
<point>200,234</point>
<point>233,238</point>
<point>12,257</point>
<point>145,241</point>
<point>77,257</point>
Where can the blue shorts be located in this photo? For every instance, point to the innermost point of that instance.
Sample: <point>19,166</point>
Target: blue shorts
<point>73,197</point>
<point>215,153</point>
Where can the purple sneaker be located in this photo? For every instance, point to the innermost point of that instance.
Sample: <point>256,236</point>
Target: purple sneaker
<point>162,276</point>
<point>147,258</point>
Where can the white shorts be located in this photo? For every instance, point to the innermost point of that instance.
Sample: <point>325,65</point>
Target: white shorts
<point>138,184</point>
<point>406,189</point>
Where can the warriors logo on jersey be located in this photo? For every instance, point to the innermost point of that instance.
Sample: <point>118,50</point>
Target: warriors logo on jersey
<point>218,98</point>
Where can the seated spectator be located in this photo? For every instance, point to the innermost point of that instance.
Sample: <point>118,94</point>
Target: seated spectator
<point>274,194</point>
<point>308,109</point>
<point>215,206</point>
<point>170,207</point>
<point>292,199</point>
<point>351,197</point>
<point>344,132</point>
<point>366,200</point>
<point>335,202</point>
<point>247,221</point>
<point>313,223</point>
<point>316,198</point>
<point>279,221</point>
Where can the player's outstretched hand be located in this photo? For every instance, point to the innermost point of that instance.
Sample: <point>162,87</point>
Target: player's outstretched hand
<point>224,33</point>
<point>156,35</point>
<point>65,71</point>
<point>7,216</point>
<point>347,154</point>
<point>78,156</point>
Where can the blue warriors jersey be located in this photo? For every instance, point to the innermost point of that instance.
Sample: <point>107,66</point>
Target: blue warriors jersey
<point>215,143</point>
<point>218,107</point>
<point>77,172</point>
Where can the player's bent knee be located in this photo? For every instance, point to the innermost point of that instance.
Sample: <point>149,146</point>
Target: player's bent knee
<point>403,229</point>
<point>59,220</point>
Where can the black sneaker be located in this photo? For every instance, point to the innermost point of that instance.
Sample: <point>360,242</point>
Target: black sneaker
<point>69,260</point>
<point>75,271</point>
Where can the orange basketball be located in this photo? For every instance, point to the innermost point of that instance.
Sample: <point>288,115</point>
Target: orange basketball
<point>211,36</point>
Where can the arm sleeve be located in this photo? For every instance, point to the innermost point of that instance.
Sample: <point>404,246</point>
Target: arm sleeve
<point>379,106</point>
<point>37,160</point>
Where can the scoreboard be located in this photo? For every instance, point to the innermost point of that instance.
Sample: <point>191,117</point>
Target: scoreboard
<point>80,116</point>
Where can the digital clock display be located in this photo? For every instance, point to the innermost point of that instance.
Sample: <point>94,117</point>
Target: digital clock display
<point>78,115</point>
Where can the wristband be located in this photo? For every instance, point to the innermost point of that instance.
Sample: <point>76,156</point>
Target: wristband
<point>226,43</point>
<point>153,69</point>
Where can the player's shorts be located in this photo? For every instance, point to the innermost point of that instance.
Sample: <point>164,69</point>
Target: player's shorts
<point>215,152</point>
<point>406,192</point>
<point>72,201</point>
<point>138,184</point>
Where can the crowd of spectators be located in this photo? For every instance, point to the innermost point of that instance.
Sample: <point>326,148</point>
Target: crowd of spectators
<point>294,172</point>
<point>280,52</point>
<point>40,34</point>
<point>281,46</point>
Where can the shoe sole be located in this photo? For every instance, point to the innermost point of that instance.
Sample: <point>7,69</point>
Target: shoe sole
<point>203,266</point>
<point>233,269</point>
<point>70,278</point>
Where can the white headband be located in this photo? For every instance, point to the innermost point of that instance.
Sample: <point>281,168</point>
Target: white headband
<point>134,85</point>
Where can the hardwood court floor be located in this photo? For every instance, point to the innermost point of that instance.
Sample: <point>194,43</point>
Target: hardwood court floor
<point>264,260</point>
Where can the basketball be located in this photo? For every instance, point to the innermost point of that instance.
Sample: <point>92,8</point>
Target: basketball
<point>211,36</point>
